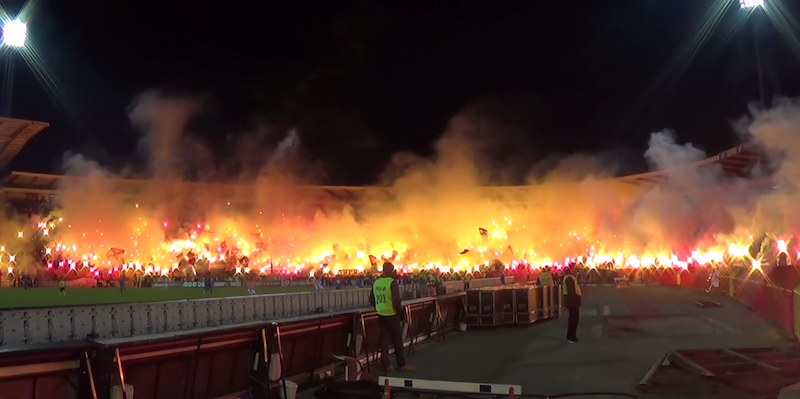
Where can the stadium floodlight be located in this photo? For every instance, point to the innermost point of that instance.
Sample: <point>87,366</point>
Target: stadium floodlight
<point>751,3</point>
<point>14,33</point>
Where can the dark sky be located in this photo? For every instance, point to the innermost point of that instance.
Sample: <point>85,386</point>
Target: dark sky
<point>364,80</point>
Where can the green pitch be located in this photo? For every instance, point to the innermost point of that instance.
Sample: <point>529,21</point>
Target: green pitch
<point>46,297</point>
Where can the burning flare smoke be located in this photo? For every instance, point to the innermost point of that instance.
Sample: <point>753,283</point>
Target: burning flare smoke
<point>441,212</point>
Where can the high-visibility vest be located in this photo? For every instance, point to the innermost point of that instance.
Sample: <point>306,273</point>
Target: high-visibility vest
<point>545,278</point>
<point>467,278</point>
<point>382,291</point>
<point>575,280</point>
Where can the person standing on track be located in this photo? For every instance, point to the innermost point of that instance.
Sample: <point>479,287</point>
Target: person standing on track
<point>385,298</point>
<point>713,281</point>
<point>208,285</point>
<point>572,301</point>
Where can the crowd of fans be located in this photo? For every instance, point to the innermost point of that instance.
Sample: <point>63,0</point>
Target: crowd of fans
<point>55,270</point>
<point>50,276</point>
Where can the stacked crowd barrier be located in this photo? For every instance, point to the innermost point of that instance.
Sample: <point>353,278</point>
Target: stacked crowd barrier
<point>203,348</point>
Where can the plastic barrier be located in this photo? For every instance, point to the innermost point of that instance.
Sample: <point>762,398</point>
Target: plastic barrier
<point>449,387</point>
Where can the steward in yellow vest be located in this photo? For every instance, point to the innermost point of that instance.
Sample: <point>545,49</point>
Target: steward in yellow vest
<point>385,298</point>
<point>570,286</point>
<point>572,301</point>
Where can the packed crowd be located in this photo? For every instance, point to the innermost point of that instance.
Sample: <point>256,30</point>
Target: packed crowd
<point>42,257</point>
<point>428,277</point>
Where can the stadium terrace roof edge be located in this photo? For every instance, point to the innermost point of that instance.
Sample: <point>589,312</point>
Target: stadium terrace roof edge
<point>14,134</point>
<point>735,162</point>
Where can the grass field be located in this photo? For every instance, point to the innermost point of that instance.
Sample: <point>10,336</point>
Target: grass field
<point>47,297</point>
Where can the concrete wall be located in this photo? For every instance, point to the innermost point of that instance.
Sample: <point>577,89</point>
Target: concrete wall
<point>68,323</point>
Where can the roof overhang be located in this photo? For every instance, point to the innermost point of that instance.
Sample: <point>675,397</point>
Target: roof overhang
<point>14,134</point>
<point>737,162</point>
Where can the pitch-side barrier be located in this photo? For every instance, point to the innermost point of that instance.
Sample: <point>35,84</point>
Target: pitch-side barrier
<point>219,348</point>
<point>225,359</point>
<point>70,323</point>
<point>218,362</point>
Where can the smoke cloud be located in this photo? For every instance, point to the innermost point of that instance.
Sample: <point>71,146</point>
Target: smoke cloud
<point>429,211</point>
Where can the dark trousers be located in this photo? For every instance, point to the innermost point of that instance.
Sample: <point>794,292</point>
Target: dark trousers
<point>572,322</point>
<point>391,332</point>
<point>466,285</point>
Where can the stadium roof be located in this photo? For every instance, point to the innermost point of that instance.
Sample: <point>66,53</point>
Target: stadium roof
<point>736,162</point>
<point>14,134</point>
<point>20,184</point>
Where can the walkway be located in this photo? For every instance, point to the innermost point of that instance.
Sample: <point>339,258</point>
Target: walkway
<point>615,351</point>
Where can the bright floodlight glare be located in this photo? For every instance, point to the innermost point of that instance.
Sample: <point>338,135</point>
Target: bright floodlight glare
<point>751,3</point>
<point>14,33</point>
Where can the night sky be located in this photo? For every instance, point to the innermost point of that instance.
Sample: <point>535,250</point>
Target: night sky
<point>364,80</point>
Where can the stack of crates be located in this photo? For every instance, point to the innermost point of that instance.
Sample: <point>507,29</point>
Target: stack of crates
<point>526,304</point>
<point>519,304</point>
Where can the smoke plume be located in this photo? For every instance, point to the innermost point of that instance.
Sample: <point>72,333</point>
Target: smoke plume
<point>430,210</point>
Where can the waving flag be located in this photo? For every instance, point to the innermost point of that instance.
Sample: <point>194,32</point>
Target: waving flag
<point>390,258</point>
<point>114,252</point>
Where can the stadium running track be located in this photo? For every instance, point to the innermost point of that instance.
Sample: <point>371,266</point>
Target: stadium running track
<point>616,350</point>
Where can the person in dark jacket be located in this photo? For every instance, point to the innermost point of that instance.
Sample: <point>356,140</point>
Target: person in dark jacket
<point>572,301</point>
<point>385,298</point>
